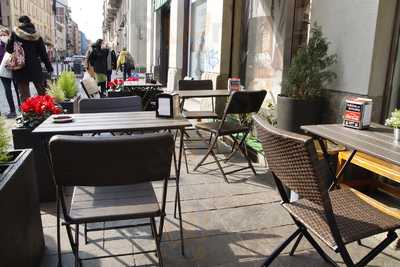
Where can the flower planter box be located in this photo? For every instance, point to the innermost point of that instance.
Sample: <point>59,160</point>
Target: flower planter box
<point>21,226</point>
<point>23,139</point>
<point>71,106</point>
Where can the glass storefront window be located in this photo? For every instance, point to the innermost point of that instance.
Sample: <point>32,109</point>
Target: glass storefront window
<point>197,38</point>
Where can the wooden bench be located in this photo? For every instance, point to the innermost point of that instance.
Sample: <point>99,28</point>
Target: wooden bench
<point>380,167</point>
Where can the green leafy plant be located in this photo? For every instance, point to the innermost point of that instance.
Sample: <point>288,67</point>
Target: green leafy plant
<point>309,74</point>
<point>67,83</point>
<point>4,141</point>
<point>394,120</point>
<point>56,92</point>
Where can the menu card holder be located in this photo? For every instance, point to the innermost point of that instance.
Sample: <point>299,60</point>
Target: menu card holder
<point>167,105</point>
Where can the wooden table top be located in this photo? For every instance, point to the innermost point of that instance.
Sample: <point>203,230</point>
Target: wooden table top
<point>377,141</point>
<point>110,122</point>
<point>203,93</point>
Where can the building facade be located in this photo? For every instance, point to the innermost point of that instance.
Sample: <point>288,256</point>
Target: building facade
<point>257,39</point>
<point>125,26</point>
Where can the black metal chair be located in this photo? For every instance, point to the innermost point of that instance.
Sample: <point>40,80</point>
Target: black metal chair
<point>127,178</point>
<point>193,85</point>
<point>240,103</point>
<point>190,84</point>
<point>337,217</point>
<point>115,104</point>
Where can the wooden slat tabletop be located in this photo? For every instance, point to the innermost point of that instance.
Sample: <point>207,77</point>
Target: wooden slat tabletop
<point>110,122</point>
<point>377,141</point>
<point>203,93</point>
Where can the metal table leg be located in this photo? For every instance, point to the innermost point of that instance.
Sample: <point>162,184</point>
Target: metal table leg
<point>177,195</point>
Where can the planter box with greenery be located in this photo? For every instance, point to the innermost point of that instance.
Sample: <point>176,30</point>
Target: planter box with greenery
<point>21,226</point>
<point>304,84</point>
<point>23,139</point>
<point>65,92</point>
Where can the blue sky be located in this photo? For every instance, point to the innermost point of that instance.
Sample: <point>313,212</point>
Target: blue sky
<point>89,16</point>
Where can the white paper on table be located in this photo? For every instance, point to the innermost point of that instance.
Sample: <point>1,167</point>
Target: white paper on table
<point>164,107</point>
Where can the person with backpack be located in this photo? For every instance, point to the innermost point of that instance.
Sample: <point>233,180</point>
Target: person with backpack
<point>98,59</point>
<point>126,62</point>
<point>6,74</point>
<point>28,51</point>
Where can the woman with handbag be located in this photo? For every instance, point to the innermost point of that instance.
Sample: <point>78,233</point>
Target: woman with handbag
<point>28,51</point>
<point>6,75</point>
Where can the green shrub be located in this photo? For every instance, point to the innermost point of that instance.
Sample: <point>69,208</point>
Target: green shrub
<point>309,74</point>
<point>56,92</point>
<point>67,83</point>
<point>4,141</point>
<point>394,120</point>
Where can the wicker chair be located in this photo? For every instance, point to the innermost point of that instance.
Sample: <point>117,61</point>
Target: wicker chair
<point>336,217</point>
<point>117,104</point>
<point>126,178</point>
<point>239,103</point>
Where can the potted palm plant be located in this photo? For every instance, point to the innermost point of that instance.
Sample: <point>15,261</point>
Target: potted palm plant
<point>65,92</point>
<point>394,122</point>
<point>21,223</point>
<point>304,83</point>
<point>34,111</point>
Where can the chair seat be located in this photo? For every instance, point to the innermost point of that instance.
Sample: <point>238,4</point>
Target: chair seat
<point>106,203</point>
<point>199,114</point>
<point>227,128</point>
<point>355,218</point>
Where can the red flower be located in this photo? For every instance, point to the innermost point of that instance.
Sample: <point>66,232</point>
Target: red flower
<point>38,108</point>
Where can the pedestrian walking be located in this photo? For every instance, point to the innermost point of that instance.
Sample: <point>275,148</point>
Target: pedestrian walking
<point>34,51</point>
<point>126,62</point>
<point>111,63</point>
<point>5,74</point>
<point>98,59</point>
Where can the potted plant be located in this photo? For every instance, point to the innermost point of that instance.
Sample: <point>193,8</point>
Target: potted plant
<point>65,92</point>
<point>34,111</point>
<point>394,122</point>
<point>21,223</point>
<point>304,83</point>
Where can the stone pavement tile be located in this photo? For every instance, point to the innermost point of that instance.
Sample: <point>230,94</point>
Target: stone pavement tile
<point>255,217</point>
<point>264,241</point>
<point>68,260</point>
<point>302,259</point>
<point>214,250</point>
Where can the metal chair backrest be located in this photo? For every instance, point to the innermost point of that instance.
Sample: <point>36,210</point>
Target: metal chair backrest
<point>186,85</point>
<point>293,160</point>
<point>113,104</point>
<point>244,102</point>
<point>109,161</point>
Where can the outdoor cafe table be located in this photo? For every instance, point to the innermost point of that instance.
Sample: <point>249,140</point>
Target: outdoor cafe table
<point>93,123</point>
<point>374,148</point>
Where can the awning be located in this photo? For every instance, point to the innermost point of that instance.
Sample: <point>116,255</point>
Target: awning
<point>159,4</point>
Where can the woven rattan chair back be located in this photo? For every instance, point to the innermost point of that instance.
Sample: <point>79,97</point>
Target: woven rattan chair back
<point>185,85</point>
<point>114,104</point>
<point>108,161</point>
<point>293,159</point>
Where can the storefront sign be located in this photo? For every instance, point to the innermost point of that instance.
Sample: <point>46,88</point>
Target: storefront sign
<point>159,4</point>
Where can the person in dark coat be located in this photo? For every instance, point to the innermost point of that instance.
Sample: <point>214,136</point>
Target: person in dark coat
<point>98,59</point>
<point>5,79</point>
<point>35,52</point>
